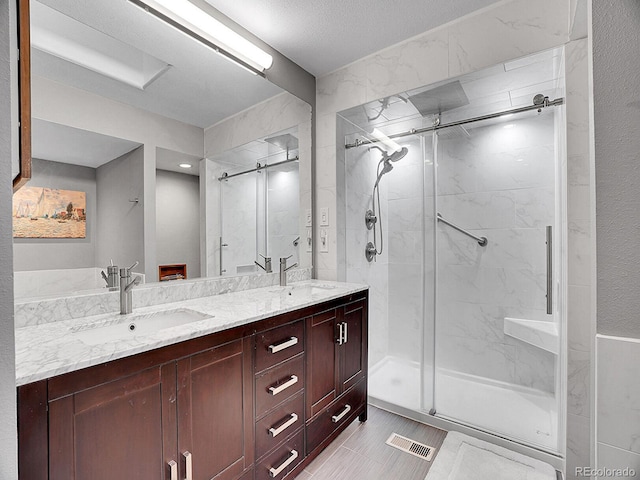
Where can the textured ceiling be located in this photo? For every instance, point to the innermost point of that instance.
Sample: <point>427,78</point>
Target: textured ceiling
<point>323,35</point>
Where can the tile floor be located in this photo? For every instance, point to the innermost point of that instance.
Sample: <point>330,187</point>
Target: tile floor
<point>360,452</point>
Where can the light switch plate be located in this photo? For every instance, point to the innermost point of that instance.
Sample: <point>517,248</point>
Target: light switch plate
<point>324,217</point>
<point>308,218</point>
<point>324,241</point>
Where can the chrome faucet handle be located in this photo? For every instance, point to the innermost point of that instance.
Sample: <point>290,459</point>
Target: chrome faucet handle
<point>133,266</point>
<point>266,258</point>
<point>284,259</point>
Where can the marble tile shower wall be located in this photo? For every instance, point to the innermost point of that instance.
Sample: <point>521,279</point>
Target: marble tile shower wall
<point>279,113</point>
<point>239,223</point>
<point>410,251</point>
<point>496,181</point>
<point>283,216</point>
<point>360,167</point>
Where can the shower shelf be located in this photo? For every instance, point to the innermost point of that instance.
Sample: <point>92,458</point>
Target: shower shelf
<point>538,333</point>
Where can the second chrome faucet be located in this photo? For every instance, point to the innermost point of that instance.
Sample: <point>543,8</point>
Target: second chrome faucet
<point>126,285</point>
<point>284,269</point>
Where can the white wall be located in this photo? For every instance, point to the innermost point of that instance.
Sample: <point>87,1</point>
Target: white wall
<point>616,93</point>
<point>178,220</point>
<point>8,423</point>
<point>121,220</point>
<point>77,108</point>
<point>49,253</point>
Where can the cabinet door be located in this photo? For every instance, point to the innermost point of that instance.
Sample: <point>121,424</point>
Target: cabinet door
<point>120,429</point>
<point>353,361</point>
<point>322,361</point>
<point>215,410</point>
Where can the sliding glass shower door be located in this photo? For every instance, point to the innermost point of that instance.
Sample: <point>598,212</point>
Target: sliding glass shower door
<point>496,357</point>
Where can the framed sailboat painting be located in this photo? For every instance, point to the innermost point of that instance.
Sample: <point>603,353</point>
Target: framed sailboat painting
<point>40,212</point>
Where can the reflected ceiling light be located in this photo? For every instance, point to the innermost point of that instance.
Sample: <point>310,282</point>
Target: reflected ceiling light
<point>185,165</point>
<point>511,125</point>
<point>386,141</point>
<point>198,24</point>
<point>64,37</point>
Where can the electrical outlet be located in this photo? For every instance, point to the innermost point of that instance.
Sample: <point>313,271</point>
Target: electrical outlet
<point>324,217</point>
<point>309,240</point>
<point>308,218</point>
<point>324,241</point>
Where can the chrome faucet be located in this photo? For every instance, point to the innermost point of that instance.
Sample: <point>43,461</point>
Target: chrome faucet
<point>267,264</point>
<point>111,277</point>
<point>284,269</point>
<point>126,285</point>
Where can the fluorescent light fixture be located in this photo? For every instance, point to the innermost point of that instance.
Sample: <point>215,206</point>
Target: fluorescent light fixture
<point>386,141</point>
<point>57,34</point>
<point>198,24</point>
<point>185,165</point>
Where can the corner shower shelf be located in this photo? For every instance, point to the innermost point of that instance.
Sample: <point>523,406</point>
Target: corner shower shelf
<point>538,333</point>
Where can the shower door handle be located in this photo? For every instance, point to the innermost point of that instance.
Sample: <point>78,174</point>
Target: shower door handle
<point>549,270</point>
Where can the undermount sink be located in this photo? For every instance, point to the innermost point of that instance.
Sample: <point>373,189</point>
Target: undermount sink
<point>134,325</point>
<point>304,289</point>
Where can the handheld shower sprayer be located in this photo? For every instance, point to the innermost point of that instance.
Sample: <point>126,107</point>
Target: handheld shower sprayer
<point>371,218</point>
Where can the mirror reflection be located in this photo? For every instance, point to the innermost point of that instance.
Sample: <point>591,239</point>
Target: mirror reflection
<point>177,150</point>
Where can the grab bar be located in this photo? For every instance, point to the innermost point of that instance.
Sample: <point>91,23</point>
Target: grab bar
<point>549,270</point>
<point>482,241</point>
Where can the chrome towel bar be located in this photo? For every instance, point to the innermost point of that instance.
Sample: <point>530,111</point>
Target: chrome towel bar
<point>482,241</point>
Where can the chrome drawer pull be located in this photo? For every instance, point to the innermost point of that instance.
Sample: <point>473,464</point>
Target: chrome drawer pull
<point>188,459</point>
<point>344,332</point>
<point>274,472</point>
<point>284,386</point>
<point>277,431</point>
<point>340,339</point>
<point>284,345</point>
<point>173,467</point>
<point>340,416</point>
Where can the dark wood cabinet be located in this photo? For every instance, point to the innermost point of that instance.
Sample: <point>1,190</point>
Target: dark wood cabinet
<point>337,353</point>
<point>214,398</point>
<point>247,403</point>
<point>336,371</point>
<point>85,441</point>
<point>189,414</point>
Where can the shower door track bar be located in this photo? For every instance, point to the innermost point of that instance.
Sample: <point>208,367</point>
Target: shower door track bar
<point>482,241</point>
<point>414,131</point>
<point>226,176</point>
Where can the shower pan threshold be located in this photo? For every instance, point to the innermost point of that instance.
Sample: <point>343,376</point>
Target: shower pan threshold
<point>522,414</point>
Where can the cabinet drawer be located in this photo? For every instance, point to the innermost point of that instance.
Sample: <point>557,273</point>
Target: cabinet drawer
<point>278,344</point>
<point>279,424</point>
<point>277,384</point>
<point>337,415</point>
<point>284,459</point>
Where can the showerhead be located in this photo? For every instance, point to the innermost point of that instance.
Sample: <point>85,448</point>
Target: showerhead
<point>398,155</point>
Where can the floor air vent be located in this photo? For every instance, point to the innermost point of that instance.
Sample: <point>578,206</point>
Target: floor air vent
<point>405,444</point>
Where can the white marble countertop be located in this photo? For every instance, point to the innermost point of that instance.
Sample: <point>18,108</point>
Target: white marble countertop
<point>51,349</point>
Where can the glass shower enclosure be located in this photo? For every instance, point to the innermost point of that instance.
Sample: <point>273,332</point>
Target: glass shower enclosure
<point>465,305</point>
<point>259,191</point>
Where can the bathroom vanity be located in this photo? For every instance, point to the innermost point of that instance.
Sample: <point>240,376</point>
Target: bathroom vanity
<point>257,394</point>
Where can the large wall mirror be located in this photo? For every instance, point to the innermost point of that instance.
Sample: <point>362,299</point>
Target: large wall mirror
<point>189,165</point>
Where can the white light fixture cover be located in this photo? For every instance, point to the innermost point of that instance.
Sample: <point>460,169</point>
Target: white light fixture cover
<point>201,23</point>
<point>386,141</point>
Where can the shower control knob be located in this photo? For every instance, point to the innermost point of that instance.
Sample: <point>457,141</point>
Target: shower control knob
<point>370,219</point>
